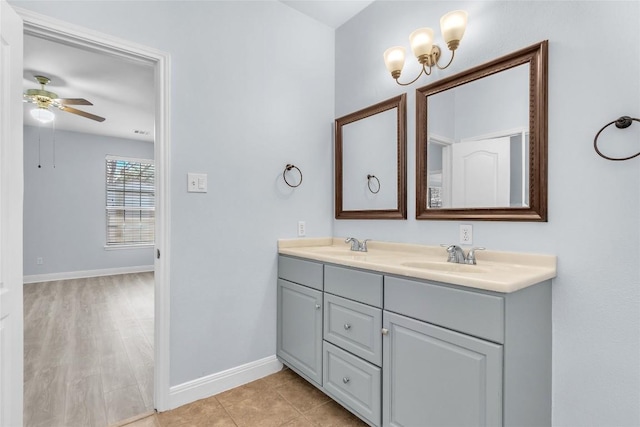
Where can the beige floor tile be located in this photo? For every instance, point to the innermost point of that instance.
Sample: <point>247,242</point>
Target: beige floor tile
<point>301,421</point>
<point>333,415</point>
<point>206,412</point>
<point>279,378</point>
<point>242,393</point>
<point>302,395</point>
<point>267,409</point>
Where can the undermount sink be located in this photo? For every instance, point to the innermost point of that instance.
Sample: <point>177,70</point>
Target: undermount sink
<point>446,266</point>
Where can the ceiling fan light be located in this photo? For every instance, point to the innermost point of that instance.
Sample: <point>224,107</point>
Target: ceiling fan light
<point>42,115</point>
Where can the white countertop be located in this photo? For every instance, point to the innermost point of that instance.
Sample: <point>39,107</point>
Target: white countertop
<point>495,271</point>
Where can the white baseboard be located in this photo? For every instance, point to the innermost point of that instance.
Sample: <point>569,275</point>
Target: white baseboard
<point>210,385</point>
<point>36,278</point>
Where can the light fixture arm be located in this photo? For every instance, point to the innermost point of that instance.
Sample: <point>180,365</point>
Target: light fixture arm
<point>423,71</point>
<point>453,54</point>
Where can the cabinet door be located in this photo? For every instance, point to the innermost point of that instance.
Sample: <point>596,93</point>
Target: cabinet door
<point>300,329</point>
<point>437,377</point>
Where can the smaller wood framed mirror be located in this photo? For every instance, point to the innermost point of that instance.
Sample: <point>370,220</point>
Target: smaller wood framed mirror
<point>371,162</point>
<point>481,141</point>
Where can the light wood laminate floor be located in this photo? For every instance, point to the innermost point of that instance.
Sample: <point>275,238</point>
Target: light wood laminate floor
<point>88,346</point>
<point>281,399</point>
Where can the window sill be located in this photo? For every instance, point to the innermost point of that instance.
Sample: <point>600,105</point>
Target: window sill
<point>119,247</point>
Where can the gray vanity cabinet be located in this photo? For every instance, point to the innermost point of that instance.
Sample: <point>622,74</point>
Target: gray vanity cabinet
<point>399,351</point>
<point>437,377</point>
<point>299,337</point>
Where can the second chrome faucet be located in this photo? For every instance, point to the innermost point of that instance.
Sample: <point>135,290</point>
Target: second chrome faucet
<point>456,254</point>
<point>357,245</point>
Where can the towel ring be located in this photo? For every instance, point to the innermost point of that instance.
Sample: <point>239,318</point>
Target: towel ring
<point>284,175</point>
<point>369,177</point>
<point>621,123</point>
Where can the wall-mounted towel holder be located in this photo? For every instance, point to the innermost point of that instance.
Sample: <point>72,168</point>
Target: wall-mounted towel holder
<point>621,123</point>
<point>369,178</point>
<point>287,169</point>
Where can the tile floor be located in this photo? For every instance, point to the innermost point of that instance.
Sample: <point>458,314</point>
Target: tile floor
<point>281,399</point>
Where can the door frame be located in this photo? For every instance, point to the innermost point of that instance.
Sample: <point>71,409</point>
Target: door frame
<point>63,32</point>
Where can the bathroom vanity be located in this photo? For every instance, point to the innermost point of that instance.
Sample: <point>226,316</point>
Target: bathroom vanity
<point>400,337</point>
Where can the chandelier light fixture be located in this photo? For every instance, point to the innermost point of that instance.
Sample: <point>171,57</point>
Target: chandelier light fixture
<point>428,54</point>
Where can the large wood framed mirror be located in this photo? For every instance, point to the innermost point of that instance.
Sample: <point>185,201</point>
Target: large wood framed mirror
<point>370,162</point>
<point>482,141</point>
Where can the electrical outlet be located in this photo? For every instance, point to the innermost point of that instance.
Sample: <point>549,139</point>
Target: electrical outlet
<point>39,260</point>
<point>466,234</point>
<point>302,229</point>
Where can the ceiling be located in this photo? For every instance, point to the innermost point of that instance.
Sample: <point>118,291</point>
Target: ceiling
<point>122,91</point>
<point>333,13</point>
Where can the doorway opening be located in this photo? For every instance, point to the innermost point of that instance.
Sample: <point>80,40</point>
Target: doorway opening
<point>53,31</point>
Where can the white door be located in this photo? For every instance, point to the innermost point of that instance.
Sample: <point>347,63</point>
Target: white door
<point>481,173</point>
<point>11,189</point>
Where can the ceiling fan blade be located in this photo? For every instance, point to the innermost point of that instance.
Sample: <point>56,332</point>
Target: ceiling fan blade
<point>82,113</point>
<point>73,101</point>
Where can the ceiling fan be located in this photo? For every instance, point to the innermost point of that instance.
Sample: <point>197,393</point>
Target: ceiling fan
<point>45,99</point>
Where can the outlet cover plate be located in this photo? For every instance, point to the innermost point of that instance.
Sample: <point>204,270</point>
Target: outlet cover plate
<point>466,234</point>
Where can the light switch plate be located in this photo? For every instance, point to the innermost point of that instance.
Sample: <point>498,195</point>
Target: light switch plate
<point>197,182</point>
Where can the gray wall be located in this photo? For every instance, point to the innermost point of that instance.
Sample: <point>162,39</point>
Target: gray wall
<point>594,213</point>
<point>64,207</point>
<point>270,104</point>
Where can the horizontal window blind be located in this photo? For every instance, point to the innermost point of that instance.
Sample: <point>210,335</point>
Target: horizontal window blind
<point>130,203</point>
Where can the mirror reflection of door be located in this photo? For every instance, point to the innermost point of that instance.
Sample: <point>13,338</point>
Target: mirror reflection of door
<point>485,171</point>
<point>480,173</point>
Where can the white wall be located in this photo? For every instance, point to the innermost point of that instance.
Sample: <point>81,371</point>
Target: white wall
<point>64,207</point>
<point>594,221</point>
<point>248,96</point>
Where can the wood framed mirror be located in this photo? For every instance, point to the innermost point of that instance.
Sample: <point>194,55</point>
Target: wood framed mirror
<point>481,141</point>
<point>370,162</point>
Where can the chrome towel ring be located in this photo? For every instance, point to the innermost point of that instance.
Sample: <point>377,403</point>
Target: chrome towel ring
<point>621,123</point>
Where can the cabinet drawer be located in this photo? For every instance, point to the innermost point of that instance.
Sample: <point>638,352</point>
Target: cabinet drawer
<point>353,382</point>
<point>299,271</point>
<point>354,284</point>
<point>354,326</point>
<point>474,313</point>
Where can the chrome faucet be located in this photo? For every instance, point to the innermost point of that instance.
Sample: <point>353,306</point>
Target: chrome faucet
<point>471,256</point>
<point>456,255</point>
<point>357,245</point>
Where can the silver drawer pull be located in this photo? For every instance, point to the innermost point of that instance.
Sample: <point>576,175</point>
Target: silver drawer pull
<point>385,331</point>
<point>346,380</point>
<point>347,326</point>
<point>317,306</point>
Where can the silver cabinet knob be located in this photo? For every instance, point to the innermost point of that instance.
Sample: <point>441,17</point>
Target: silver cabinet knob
<point>385,331</point>
<point>318,306</point>
<point>347,326</point>
<point>345,380</point>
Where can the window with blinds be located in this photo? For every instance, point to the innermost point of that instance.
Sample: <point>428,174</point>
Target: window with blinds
<point>130,201</point>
